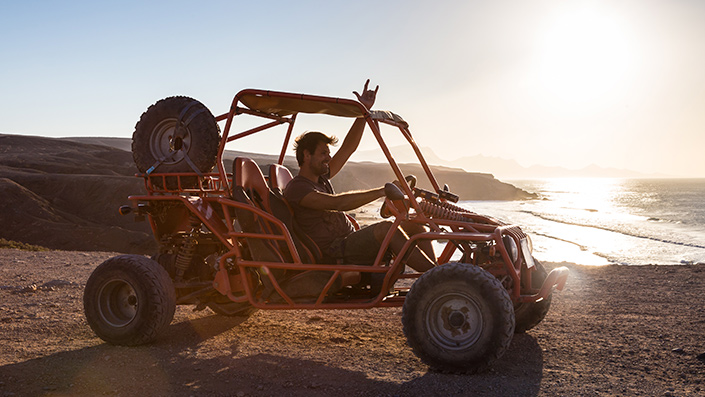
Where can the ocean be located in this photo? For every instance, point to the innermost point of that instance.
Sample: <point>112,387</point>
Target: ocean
<point>609,221</point>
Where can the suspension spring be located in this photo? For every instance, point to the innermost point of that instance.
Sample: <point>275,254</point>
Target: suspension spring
<point>440,211</point>
<point>453,207</point>
<point>188,248</point>
<point>185,255</point>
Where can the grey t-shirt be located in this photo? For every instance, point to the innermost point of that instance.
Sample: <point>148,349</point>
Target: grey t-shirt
<point>324,227</point>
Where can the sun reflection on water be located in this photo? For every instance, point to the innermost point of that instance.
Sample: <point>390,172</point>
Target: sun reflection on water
<point>588,197</point>
<point>571,202</point>
<point>601,221</point>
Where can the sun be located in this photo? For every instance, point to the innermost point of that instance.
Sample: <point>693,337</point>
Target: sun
<point>583,54</point>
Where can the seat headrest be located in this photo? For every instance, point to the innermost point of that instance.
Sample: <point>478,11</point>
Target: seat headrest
<point>247,174</point>
<point>279,176</point>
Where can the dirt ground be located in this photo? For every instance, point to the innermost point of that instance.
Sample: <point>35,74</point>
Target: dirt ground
<point>614,330</point>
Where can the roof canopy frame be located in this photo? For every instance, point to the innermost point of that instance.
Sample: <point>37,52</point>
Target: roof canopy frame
<point>283,107</point>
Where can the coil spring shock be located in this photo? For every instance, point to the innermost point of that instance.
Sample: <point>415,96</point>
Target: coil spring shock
<point>185,255</point>
<point>441,211</point>
<point>187,249</point>
<point>450,211</point>
<point>453,207</point>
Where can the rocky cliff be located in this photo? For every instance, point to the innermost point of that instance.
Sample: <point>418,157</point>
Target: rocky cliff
<point>64,193</point>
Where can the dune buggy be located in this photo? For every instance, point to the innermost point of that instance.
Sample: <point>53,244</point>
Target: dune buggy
<point>228,242</point>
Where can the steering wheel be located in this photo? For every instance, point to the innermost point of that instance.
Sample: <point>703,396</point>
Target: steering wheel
<point>394,193</point>
<point>411,180</point>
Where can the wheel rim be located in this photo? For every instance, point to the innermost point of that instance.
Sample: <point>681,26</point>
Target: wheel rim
<point>118,303</point>
<point>170,141</point>
<point>454,321</point>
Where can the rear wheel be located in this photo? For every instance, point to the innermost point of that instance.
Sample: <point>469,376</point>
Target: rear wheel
<point>530,314</point>
<point>129,300</point>
<point>458,318</point>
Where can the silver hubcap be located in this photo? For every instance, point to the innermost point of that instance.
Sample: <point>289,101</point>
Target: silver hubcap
<point>170,141</point>
<point>118,303</point>
<point>454,321</point>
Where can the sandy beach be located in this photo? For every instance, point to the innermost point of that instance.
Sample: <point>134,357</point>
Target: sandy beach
<point>614,330</point>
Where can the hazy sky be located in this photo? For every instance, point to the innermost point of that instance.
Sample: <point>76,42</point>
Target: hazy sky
<point>571,83</point>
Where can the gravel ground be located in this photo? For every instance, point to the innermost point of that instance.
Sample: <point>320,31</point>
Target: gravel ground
<point>614,330</point>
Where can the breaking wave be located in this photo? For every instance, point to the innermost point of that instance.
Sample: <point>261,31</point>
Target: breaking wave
<point>631,222</point>
<point>613,230</point>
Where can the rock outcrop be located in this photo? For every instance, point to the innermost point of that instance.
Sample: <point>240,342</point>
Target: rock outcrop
<point>64,193</point>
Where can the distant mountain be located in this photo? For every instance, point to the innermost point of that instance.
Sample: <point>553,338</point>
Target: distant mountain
<point>468,185</point>
<point>402,154</point>
<point>126,145</point>
<point>64,193</point>
<point>499,167</point>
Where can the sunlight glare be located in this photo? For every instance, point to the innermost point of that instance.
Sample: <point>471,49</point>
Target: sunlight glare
<point>583,55</point>
<point>573,217</point>
<point>583,201</point>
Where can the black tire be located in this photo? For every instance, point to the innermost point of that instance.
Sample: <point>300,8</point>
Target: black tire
<point>129,300</point>
<point>530,314</point>
<point>232,309</point>
<point>176,134</point>
<point>458,318</point>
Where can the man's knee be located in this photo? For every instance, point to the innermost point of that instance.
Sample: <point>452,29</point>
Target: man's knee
<point>381,229</point>
<point>412,228</point>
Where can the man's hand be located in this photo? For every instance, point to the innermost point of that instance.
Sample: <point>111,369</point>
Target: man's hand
<point>352,139</point>
<point>368,96</point>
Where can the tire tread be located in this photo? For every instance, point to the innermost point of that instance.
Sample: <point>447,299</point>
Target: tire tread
<point>477,276</point>
<point>160,298</point>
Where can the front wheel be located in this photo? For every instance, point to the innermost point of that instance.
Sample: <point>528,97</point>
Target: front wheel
<point>458,318</point>
<point>129,300</point>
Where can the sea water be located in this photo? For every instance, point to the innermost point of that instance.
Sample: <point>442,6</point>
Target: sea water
<point>603,221</point>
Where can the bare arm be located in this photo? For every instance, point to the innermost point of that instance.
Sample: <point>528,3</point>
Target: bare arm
<point>341,202</point>
<point>350,144</point>
<point>352,139</point>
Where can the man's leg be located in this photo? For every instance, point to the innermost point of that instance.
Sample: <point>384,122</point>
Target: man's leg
<point>416,259</point>
<point>411,228</point>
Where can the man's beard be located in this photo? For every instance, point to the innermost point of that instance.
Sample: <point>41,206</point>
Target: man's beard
<point>322,169</point>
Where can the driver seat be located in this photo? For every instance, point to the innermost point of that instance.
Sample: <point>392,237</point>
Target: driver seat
<point>248,177</point>
<point>280,176</point>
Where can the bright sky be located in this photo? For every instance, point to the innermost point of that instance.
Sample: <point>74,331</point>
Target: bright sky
<point>568,83</point>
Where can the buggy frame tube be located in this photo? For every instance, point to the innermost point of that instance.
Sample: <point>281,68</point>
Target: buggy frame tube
<point>286,140</point>
<point>480,232</point>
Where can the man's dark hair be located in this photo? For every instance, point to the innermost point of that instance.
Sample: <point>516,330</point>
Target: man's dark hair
<point>309,141</point>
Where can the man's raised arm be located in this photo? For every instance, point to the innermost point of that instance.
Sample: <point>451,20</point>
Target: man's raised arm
<point>352,139</point>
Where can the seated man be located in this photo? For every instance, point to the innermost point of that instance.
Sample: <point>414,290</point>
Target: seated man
<point>318,209</point>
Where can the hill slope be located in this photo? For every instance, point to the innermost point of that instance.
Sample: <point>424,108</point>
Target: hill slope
<point>364,175</point>
<point>64,193</point>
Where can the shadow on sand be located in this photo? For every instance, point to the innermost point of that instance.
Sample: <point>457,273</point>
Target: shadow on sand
<point>173,367</point>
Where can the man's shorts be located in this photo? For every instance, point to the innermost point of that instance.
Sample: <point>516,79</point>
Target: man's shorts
<point>357,248</point>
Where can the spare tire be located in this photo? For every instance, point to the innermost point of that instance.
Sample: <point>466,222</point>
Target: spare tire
<point>176,134</point>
